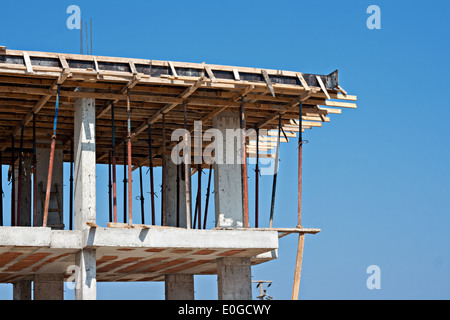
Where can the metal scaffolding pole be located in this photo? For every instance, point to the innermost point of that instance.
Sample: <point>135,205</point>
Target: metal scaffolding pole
<point>301,237</point>
<point>275,172</point>
<point>13,185</point>
<point>244,164</point>
<point>50,166</point>
<point>142,195</point>
<point>207,196</point>
<point>130,189</point>
<point>35,173</point>
<point>113,147</point>
<point>152,188</point>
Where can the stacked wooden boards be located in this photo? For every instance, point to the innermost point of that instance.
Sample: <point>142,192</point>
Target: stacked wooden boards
<point>29,81</point>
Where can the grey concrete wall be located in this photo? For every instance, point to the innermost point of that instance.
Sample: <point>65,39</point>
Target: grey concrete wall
<point>25,192</point>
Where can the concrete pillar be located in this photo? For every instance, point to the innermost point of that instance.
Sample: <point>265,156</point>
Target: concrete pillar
<point>234,279</point>
<point>227,173</point>
<point>49,286</point>
<point>86,280</point>
<point>171,198</point>
<point>22,290</point>
<point>42,158</point>
<point>84,159</point>
<point>25,192</point>
<point>84,194</point>
<point>179,286</point>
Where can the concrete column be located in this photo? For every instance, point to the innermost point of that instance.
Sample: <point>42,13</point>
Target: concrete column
<point>84,194</point>
<point>179,286</point>
<point>22,290</point>
<point>227,173</point>
<point>171,198</point>
<point>234,279</point>
<point>25,192</point>
<point>49,286</point>
<point>86,280</point>
<point>42,159</point>
<point>84,158</point>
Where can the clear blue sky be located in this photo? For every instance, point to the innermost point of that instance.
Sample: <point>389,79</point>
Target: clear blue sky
<point>376,179</point>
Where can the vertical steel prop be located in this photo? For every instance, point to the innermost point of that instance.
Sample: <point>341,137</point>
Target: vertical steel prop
<point>187,171</point>
<point>142,195</point>
<point>164,172</point>
<point>208,188</point>
<point>35,173</point>
<point>301,236</point>
<point>152,187</point>
<point>199,194</point>
<point>19,179</point>
<point>109,188</point>
<point>71,187</point>
<point>113,154</point>
<point>275,172</point>
<point>1,189</point>
<point>257,180</point>
<point>130,183</point>
<point>178,189</point>
<point>13,184</point>
<point>50,165</point>
<point>244,164</point>
<point>124,183</point>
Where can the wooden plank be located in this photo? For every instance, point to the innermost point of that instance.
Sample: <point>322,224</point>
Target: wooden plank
<point>210,74</point>
<point>322,86</point>
<point>303,81</point>
<point>27,60</point>
<point>268,82</point>
<point>236,75</point>
<point>172,68</point>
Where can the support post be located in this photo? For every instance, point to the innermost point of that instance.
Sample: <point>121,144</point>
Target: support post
<point>113,151</point>
<point>49,286</point>
<point>22,290</point>
<point>84,137</point>
<point>244,164</point>
<point>301,237</point>
<point>234,278</point>
<point>152,187</point>
<point>179,286</point>
<point>86,281</point>
<point>228,173</point>
<point>275,172</point>
<point>130,184</point>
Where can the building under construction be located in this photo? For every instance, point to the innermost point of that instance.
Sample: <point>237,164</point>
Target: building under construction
<point>121,112</point>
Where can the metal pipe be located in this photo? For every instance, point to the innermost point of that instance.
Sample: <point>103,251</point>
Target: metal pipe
<point>114,184</point>
<point>275,172</point>
<point>71,187</point>
<point>257,179</point>
<point>1,189</point>
<point>178,190</point>
<point>164,173</point>
<point>34,173</point>
<point>207,195</point>
<point>125,183</point>
<point>244,164</point>
<point>130,184</point>
<point>199,195</point>
<point>50,165</point>
<point>109,187</point>
<point>152,189</point>
<point>142,195</point>
<point>301,237</point>
<point>19,180</point>
<point>187,172</point>
<point>13,185</point>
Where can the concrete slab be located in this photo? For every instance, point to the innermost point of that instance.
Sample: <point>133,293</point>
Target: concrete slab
<point>123,254</point>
